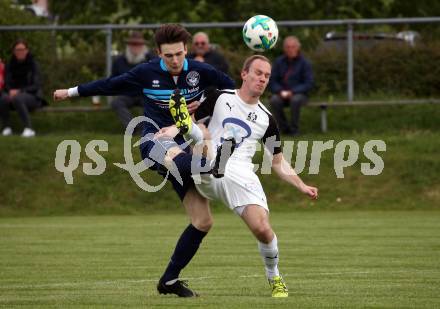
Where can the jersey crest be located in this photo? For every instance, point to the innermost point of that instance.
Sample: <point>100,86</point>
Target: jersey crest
<point>252,117</point>
<point>193,78</point>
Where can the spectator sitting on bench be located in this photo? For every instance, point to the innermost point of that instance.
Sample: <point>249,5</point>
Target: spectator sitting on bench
<point>290,82</point>
<point>22,90</point>
<point>203,51</point>
<point>136,52</point>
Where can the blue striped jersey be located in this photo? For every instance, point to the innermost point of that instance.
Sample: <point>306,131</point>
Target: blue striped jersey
<point>153,81</point>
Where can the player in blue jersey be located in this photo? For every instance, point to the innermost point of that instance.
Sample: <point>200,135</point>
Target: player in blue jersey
<point>156,81</point>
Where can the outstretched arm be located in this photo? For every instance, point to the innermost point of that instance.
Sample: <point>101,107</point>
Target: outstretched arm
<point>62,94</point>
<point>128,83</point>
<point>283,169</point>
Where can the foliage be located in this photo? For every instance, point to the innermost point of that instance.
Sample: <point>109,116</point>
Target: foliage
<point>133,12</point>
<point>401,71</point>
<point>384,70</point>
<point>116,11</point>
<point>73,68</point>
<point>72,57</point>
<point>39,42</point>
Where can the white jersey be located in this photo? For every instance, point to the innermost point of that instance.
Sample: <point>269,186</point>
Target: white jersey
<point>248,124</point>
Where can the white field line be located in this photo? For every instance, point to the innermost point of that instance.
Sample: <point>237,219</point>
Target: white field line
<point>123,281</point>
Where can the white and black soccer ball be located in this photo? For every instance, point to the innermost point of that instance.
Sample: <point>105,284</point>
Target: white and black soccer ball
<point>260,33</point>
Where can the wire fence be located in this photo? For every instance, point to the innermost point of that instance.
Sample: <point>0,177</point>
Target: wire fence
<point>349,24</point>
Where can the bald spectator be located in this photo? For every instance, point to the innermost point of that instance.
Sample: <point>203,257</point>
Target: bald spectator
<point>290,83</point>
<point>203,51</point>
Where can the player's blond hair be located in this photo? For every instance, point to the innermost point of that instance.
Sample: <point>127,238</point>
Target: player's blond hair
<point>248,62</point>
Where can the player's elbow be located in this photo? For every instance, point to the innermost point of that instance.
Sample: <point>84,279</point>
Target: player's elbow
<point>277,168</point>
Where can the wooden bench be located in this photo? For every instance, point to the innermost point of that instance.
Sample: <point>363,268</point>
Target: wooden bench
<point>322,105</point>
<point>71,109</point>
<point>325,105</point>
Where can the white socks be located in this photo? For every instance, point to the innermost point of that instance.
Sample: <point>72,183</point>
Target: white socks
<point>269,252</point>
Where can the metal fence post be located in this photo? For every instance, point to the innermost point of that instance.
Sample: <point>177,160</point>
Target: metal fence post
<point>108,53</point>
<point>324,118</point>
<point>350,81</point>
<point>298,23</point>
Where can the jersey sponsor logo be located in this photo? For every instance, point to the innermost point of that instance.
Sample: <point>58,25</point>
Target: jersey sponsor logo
<point>192,90</point>
<point>236,128</point>
<point>155,83</point>
<point>193,78</point>
<point>252,117</point>
<point>163,95</point>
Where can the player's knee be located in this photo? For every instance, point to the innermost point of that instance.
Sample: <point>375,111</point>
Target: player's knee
<point>203,224</point>
<point>298,99</point>
<point>173,152</point>
<point>167,162</point>
<point>264,233</point>
<point>18,100</point>
<point>170,155</point>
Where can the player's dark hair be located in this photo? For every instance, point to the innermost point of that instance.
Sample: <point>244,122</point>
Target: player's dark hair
<point>171,33</point>
<point>248,62</point>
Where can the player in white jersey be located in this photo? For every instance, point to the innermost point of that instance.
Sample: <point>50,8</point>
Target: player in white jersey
<point>247,124</point>
<point>239,115</point>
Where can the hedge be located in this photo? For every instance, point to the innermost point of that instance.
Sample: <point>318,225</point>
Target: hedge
<point>69,58</point>
<point>390,70</point>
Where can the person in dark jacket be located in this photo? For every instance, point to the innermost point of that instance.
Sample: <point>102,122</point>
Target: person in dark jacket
<point>290,83</point>
<point>203,51</point>
<point>135,53</point>
<point>22,90</point>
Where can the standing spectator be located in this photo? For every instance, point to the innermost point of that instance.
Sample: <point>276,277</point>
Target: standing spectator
<point>136,52</point>
<point>203,51</point>
<point>22,90</point>
<point>290,82</point>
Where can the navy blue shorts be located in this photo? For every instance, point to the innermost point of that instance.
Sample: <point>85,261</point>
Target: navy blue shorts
<point>187,180</point>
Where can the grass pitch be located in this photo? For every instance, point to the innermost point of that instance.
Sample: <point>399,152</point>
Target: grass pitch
<point>345,259</point>
<point>33,187</point>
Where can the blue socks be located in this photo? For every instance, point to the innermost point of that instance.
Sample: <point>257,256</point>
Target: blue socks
<point>186,248</point>
<point>189,164</point>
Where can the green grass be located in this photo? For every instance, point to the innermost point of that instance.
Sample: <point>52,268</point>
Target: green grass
<point>356,259</point>
<point>370,119</point>
<point>32,185</point>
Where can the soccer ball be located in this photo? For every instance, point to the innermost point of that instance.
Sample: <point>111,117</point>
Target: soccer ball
<point>260,33</point>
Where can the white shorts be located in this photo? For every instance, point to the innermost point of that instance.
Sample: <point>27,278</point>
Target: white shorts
<point>239,187</point>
